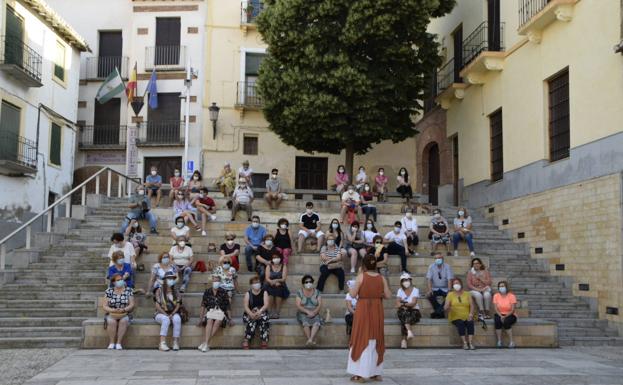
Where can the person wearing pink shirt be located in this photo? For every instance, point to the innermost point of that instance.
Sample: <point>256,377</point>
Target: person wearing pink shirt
<point>176,182</point>
<point>341,179</point>
<point>380,185</point>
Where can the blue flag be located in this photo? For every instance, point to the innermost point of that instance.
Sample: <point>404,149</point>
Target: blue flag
<point>153,91</point>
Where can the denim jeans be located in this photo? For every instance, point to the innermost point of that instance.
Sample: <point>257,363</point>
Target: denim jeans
<point>469,238</point>
<point>324,274</point>
<point>394,248</point>
<point>463,326</point>
<point>432,298</point>
<point>249,253</point>
<point>369,211</point>
<point>153,222</point>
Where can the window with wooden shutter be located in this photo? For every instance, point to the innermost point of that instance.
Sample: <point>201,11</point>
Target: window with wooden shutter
<point>250,145</point>
<point>59,62</point>
<point>497,149</point>
<point>55,144</point>
<point>559,122</point>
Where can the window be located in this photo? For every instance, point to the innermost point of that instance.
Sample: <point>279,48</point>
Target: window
<point>10,118</point>
<point>59,62</point>
<point>249,145</point>
<point>55,144</point>
<point>559,137</point>
<point>497,152</point>
<point>110,48</point>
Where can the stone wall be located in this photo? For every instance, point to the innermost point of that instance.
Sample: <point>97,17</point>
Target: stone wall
<point>578,226</point>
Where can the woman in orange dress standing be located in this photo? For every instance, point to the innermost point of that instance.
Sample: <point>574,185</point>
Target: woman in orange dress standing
<point>367,341</point>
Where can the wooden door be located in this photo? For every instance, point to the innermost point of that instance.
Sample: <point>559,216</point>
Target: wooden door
<point>167,50</point>
<point>433,174</point>
<point>10,117</point>
<point>311,174</point>
<point>106,122</point>
<point>163,123</point>
<point>110,48</point>
<point>14,38</point>
<point>455,166</point>
<point>457,38</point>
<point>166,166</point>
<point>493,25</point>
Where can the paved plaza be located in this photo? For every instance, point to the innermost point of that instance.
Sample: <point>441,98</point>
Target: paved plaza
<point>568,366</point>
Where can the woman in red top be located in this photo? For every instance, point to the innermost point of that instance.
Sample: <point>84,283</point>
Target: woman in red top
<point>380,185</point>
<point>176,183</point>
<point>367,340</point>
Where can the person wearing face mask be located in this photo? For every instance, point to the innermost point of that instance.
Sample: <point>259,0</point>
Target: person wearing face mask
<point>182,258</point>
<point>439,279</point>
<point>245,172</point>
<point>331,257</point>
<point>274,194</point>
<point>253,238</point>
<point>134,234</point>
<point>342,179</point>
<point>228,275</point>
<point>242,199</point>
<point>308,304</point>
<point>504,303</point>
<point>255,315</point>
<point>118,307</point>
<point>215,311</point>
<point>226,182</point>
<point>351,305</point>
<point>153,183</point>
<point>380,185</point>
<point>177,184</point>
<point>336,230</point>
<point>354,244</point>
<point>120,244</point>
<point>183,209</point>
<point>463,231</point>
<point>409,226</point>
<point>275,279</point>
<point>351,201</point>
<point>369,232</point>
<point>283,242</point>
<point>396,242</point>
<point>140,208</point>
<point>460,310</point>
<point>368,209</point>
<point>194,184</point>
<point>206,207</point>
<point>439,233</point>
<point>120,267</point>
<point>168,303</point>
<point>479,285</point>
<point>404,185</point>
<point>382,256</point>
<point>361,179</point>
<point>230,250</point>
<point>264,255</point>
<point>180,230</point>
<point>159,270</point>
<point>408,310</point>
<point>309,225</point>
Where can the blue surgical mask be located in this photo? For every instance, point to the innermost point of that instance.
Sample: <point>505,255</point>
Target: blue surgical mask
<point>439,261</point>
<point>502,290</point>
<point>120,283</point>
<point>226,266</point>
<point>171,282</point>
<point>165,260</point>
<point>120,262</point>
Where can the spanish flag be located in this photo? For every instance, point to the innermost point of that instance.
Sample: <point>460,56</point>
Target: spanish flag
<point>130,89</point>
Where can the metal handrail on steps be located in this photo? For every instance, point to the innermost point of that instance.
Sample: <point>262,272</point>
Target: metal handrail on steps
<point>124,187</point>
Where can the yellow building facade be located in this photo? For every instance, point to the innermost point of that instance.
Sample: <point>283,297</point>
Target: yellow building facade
<point>234,50</point>
<point>532,99</point>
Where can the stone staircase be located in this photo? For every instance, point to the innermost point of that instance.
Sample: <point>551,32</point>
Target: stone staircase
<point>55,300</point>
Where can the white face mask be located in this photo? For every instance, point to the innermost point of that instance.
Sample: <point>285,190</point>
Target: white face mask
<point>181,244</point>
<point>396,230</point>
<point>216,285</point>
<point>406,284</point>
<point>437,215</point>
<point>268,242</point>
<point>351,191</point>
<point>230,243</point>
<point>154,173</point>
<point>456,287</point>
<point>409,215</point>
<point>341,171</point>
<point>367,188</point>
<point>309,285</point>
<point>201,195</point>
<point>177,174</point>
<point>369,226</point>
<point>195,177</point>
<point>502,290</point>
<point>473,270</point>
<point>330,242</point>
<point>274,176</point>
<point>180,225</point>
<point>284,226</point>
<point>308,211</point>
<point>402,173</point>
<point>255,225</point>
<point>276,261</point>
<point>141,192</point>
<point>461,213</point>
<point>354,229</point>
<point>335,225</point>
<point>135,225</point>
<point>256,286</point>
<point>381,173</point>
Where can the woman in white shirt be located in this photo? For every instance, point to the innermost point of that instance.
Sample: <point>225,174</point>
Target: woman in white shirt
<point>361,179</point>
<point>351,305</point>
<point>183,258</point>
<point>120,244</point>
<point>180,230</point>
<point>408,309</point>
<point>409,226</point>
<point>369,232</point>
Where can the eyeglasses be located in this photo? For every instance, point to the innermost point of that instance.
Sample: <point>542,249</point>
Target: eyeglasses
<point>439,275</point>
<point>460,300</point>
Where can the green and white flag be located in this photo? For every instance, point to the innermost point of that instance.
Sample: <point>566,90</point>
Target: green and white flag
<point>112,86</point>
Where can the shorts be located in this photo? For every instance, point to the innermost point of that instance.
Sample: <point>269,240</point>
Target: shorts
<point>109,318</point>
<point>317,233</point>
<point>154,189</point>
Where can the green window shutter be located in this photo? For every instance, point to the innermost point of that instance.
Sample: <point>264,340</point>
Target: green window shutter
<point>252,63</point>
<point>55,144</point>
<point>59,63</point>
<point>9,131</point>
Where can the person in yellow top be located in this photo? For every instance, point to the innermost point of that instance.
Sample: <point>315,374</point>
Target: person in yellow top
<point>460,311</point>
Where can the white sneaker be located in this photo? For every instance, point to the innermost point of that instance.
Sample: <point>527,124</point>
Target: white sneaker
<point>204,233</point>
<point>456,253</point>
<point>403,344</point>
<point>212,218</point>
<point>416,254</point>
<point>176,346</point>
<point>163,347</point>
<point>200,347</point>
<point>111,347</point>
<point>118,347</point>
<point>352,271</point>
<point>410,334</point>
<point>472,254</point>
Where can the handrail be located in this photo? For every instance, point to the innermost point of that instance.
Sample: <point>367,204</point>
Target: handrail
<point>67,199</point>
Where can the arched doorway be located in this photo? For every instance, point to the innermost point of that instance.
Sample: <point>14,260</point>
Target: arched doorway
<point>434,171</point>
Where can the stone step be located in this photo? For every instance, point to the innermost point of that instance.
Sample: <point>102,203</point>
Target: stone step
<point>38,312</point>
<point>591,341</point>
<point>556,314</point>
<point>39,342</point>
<point>564,332</point>
<point>13,332</point>
<point>56,303</point>
<point>286,333</point>
<point>9,322</point>
<point>47,295</point>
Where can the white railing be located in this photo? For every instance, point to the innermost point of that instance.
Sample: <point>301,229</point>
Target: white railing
<point>124,187</point>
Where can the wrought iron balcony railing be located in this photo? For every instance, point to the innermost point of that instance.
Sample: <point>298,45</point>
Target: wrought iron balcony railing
<point>161,133</point>
<point>446,76</point>
<point>18,152</point>
<point>248,96</point>
<point>250,10</point>
<point>165,58</point>
<point>529,8</point>
<point>21,61</point>
<point>102,136</point>
<point>481,40</point>
<point>99,67</point>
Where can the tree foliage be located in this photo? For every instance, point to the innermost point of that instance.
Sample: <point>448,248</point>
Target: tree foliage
<point>346,74</point>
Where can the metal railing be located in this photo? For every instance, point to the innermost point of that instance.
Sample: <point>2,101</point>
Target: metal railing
<point>529,8</point>
<point>103,136</point>
<point>15,51</point>
<point>481,40</point>
<point>125,186</point>
<point>250,10</point>
<point>248,96</point>
<point>18,149</point>
<point>99,67</point>
<point>446,76</point>
<point>165,57</point>
<point>160,133</point>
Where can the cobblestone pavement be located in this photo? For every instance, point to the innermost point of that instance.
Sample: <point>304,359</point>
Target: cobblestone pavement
<point>568,366</point>
<point>19,365</point>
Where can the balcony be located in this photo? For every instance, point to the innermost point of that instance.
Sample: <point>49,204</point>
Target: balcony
<point>20,61</point>
<point>18,155</point>
<point>103,137</point>
<point>165,58</point>
<point>247,96</point>
<point>99,67</point>
<point>536,15</point>
<point>483,51</point>
<point>164,133</point>
<point>449,85</point>
<point>249,11</point>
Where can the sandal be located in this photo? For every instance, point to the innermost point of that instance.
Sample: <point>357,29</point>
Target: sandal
<point>376,378</point>
<point>245,345</point>
<point>357,379</point>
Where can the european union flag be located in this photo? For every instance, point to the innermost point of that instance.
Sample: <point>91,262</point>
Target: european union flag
<point>153,91</point>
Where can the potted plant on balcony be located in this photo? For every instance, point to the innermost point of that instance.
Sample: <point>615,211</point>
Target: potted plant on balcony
<point>249,10</point>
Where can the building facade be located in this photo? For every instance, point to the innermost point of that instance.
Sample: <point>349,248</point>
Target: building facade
<point>234,51</point>
<point>529,108</point>
<point>155,36</point>
<point>39,75</point>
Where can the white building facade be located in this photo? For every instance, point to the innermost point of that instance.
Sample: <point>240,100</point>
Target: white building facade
<point>39,81</point>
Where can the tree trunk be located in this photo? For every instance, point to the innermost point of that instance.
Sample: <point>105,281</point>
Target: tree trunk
<point>349,159</point>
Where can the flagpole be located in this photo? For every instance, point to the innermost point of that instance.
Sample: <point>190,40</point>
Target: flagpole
<point>187,83</point>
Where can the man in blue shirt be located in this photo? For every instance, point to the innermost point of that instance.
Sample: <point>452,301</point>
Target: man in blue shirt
<point>140,208</point>
<point>153,182</point>
<point>253,236</point>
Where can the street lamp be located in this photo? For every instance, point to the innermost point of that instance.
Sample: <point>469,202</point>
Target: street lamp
<point>214,109</point>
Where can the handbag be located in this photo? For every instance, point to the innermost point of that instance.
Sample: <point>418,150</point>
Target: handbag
<point>215,314</point>
<point>184,313</point>
<point>200,266</point>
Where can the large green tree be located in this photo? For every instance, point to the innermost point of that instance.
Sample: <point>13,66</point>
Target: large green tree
<point>346,74</point>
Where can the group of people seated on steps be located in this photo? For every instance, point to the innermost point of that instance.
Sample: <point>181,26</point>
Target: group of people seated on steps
<point>346,241</point>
